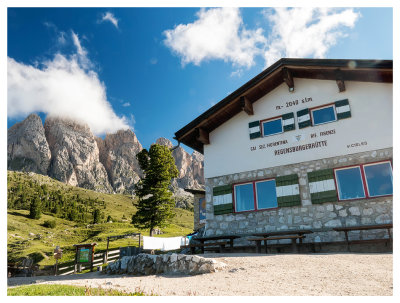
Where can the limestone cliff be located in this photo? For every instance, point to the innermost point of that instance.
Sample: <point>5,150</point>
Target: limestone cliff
<point>75,155</point>
<point>68,151</point>
<point>118,155</point>
<point>27,148</point>
<point>190,167</point>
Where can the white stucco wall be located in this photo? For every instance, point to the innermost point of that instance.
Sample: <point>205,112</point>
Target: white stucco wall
<point>369,128</point>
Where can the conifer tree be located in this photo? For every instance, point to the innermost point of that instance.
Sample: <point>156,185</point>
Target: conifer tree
<point>155,204</point>
<point>35,209</point>
<point>96,216</point>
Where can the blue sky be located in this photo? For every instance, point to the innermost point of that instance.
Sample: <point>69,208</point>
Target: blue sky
<point>156,69</point>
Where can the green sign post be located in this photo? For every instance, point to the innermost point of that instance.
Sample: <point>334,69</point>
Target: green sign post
<point>84,255</point>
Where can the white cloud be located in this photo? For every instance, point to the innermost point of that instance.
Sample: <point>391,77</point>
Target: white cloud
<point>306,32</point>
<point>216,34</point>
<point>81,52</point>
<point>61,38</point>
<point>110,17</point>
<point>126,104</point>
<point>64,87</point>
<point>294,32</point>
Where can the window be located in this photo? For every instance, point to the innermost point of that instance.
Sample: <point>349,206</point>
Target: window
<point>266,194</point>
<point>272,127</point>
<point>349,183</point>
<point>264,198</point>
<point>244,197</point>
<point>364,181</point>
<point>379,179</point>
<point>323,115</point>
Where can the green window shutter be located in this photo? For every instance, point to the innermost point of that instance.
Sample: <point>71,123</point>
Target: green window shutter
<point>222,200</point>
<point>322,186</point>
<point>288,122</point>
<point>254,129</point>
<point>303,118</point>
<point>287,190</point>
<point>342,109</point>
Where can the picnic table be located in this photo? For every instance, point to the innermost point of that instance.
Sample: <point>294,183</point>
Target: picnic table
<point>279,235</point>
<point>217,243</point>
<point>388,227</point>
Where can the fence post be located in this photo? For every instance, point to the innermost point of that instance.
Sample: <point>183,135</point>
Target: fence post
<point>104,257</point>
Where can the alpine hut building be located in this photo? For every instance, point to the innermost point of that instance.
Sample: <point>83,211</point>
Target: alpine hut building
<point>306,144</point>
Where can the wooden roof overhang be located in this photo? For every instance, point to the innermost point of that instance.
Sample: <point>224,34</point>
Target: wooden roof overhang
<point>195,134</point>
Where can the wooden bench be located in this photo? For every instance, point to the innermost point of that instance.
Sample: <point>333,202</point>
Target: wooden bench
<point>388,227</point>
<point>25,269</point>
<point>265,239</point>
<point>215,246</point>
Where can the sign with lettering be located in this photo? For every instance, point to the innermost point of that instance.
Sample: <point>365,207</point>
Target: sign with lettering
<point>84,255</point>
<point>363,128</point>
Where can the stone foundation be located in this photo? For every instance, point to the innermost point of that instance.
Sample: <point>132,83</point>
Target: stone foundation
<point>320,218</point>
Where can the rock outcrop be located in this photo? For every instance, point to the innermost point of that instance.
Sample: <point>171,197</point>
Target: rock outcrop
<point>118,155</point>
<point>27,148</point>
<point>75,155</point>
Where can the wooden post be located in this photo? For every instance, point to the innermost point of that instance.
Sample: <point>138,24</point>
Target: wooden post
<point>108,241</point>
<point>246,105</point>
<point>76,259</point>
<point>288,79</point>
<point>340,81</point>
<point>202,135</point>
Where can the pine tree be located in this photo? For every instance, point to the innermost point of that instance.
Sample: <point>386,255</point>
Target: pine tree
<point>96,216</point>
<point>155,204</point>
<point>35,209</point>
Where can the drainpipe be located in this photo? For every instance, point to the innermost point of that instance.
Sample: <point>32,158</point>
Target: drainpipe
<point>175,147</point>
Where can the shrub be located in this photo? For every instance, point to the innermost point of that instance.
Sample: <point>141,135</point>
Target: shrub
<point>50,223</point>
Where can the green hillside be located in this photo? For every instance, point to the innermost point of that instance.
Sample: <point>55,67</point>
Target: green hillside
<point>29,237</point>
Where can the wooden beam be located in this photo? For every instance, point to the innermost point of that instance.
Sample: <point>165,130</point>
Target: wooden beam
<point>288,78</point>
<point>202,136</point>
<point>340,81</point>
<point>246,105</point>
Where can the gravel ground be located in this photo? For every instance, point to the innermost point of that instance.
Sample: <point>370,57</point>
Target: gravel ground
<point>345,274</point>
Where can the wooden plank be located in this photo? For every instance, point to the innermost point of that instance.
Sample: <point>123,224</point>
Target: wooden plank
<point>66,273</point>
<point>276,238</point>
<point>364,227</point>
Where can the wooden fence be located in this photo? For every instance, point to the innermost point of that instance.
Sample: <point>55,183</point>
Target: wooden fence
<point>100,258</point>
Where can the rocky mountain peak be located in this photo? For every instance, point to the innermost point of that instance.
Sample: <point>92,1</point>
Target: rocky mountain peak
<point>118,155</point>
<point>75,155</point>
<point>67,150</point>
<point>190,167</point>
<point>165,142</point>
<point>27,148</point>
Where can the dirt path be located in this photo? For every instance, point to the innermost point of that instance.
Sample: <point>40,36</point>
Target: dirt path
<point>254,274</point>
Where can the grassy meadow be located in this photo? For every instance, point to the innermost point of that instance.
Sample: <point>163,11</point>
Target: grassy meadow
<point>30,238</point>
